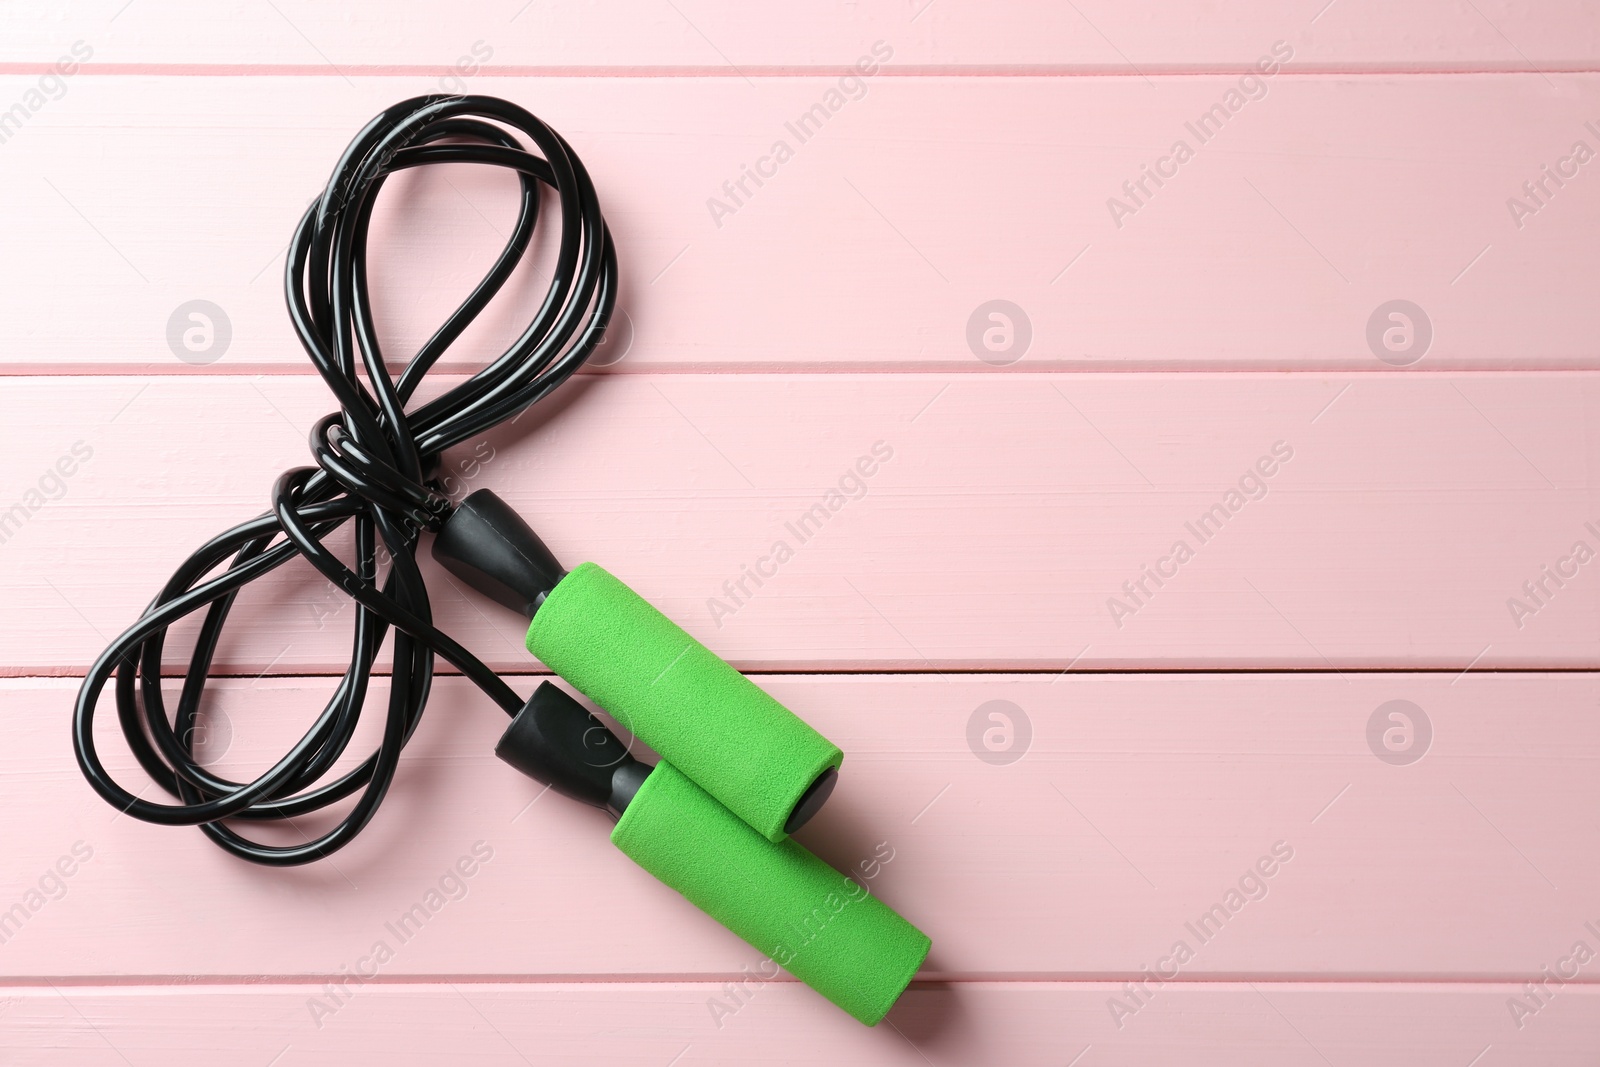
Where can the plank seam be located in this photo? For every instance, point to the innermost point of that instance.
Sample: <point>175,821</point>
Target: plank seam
<point>643,72</point>
<point>710,978</point>
<point>69,674</point>
<point>1058,368</point>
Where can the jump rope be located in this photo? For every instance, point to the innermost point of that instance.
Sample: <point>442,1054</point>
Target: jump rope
<point>738,771</point>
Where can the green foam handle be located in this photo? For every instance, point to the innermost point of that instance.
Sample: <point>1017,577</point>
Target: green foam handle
<point>820,926</point>
<point>720,729</point>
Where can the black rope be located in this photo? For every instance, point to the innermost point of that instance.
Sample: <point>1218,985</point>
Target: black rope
<point>377,463</point>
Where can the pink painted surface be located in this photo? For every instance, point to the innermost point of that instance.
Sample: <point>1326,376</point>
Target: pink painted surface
<point>875,244</point>
<point>999,534</point>
<point>1140,801</point>
<point>1235,707</point>
<point>1260,1024</point>
<point>724,38</point>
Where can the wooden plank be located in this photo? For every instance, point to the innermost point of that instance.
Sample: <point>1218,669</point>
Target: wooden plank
<point>1405,531</point>
<point>1024,1024</point>
<point>1373,856</point>
<point>718,37</point>
<point>880,238</point>
<point>1135,806</point>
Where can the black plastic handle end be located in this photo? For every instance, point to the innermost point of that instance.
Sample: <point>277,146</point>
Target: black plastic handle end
<point>555,740</point>
<point>487,545</point>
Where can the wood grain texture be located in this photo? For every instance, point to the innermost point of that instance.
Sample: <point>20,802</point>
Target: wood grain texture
<point>875,245</point>
<point>999,534</point>
<point>1411,579</point>
<point>1134,807</point>
<point>719,37</point>
<point>1223,1025</point>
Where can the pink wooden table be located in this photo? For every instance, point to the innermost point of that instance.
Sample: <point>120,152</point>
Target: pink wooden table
<point>1306,289</point>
